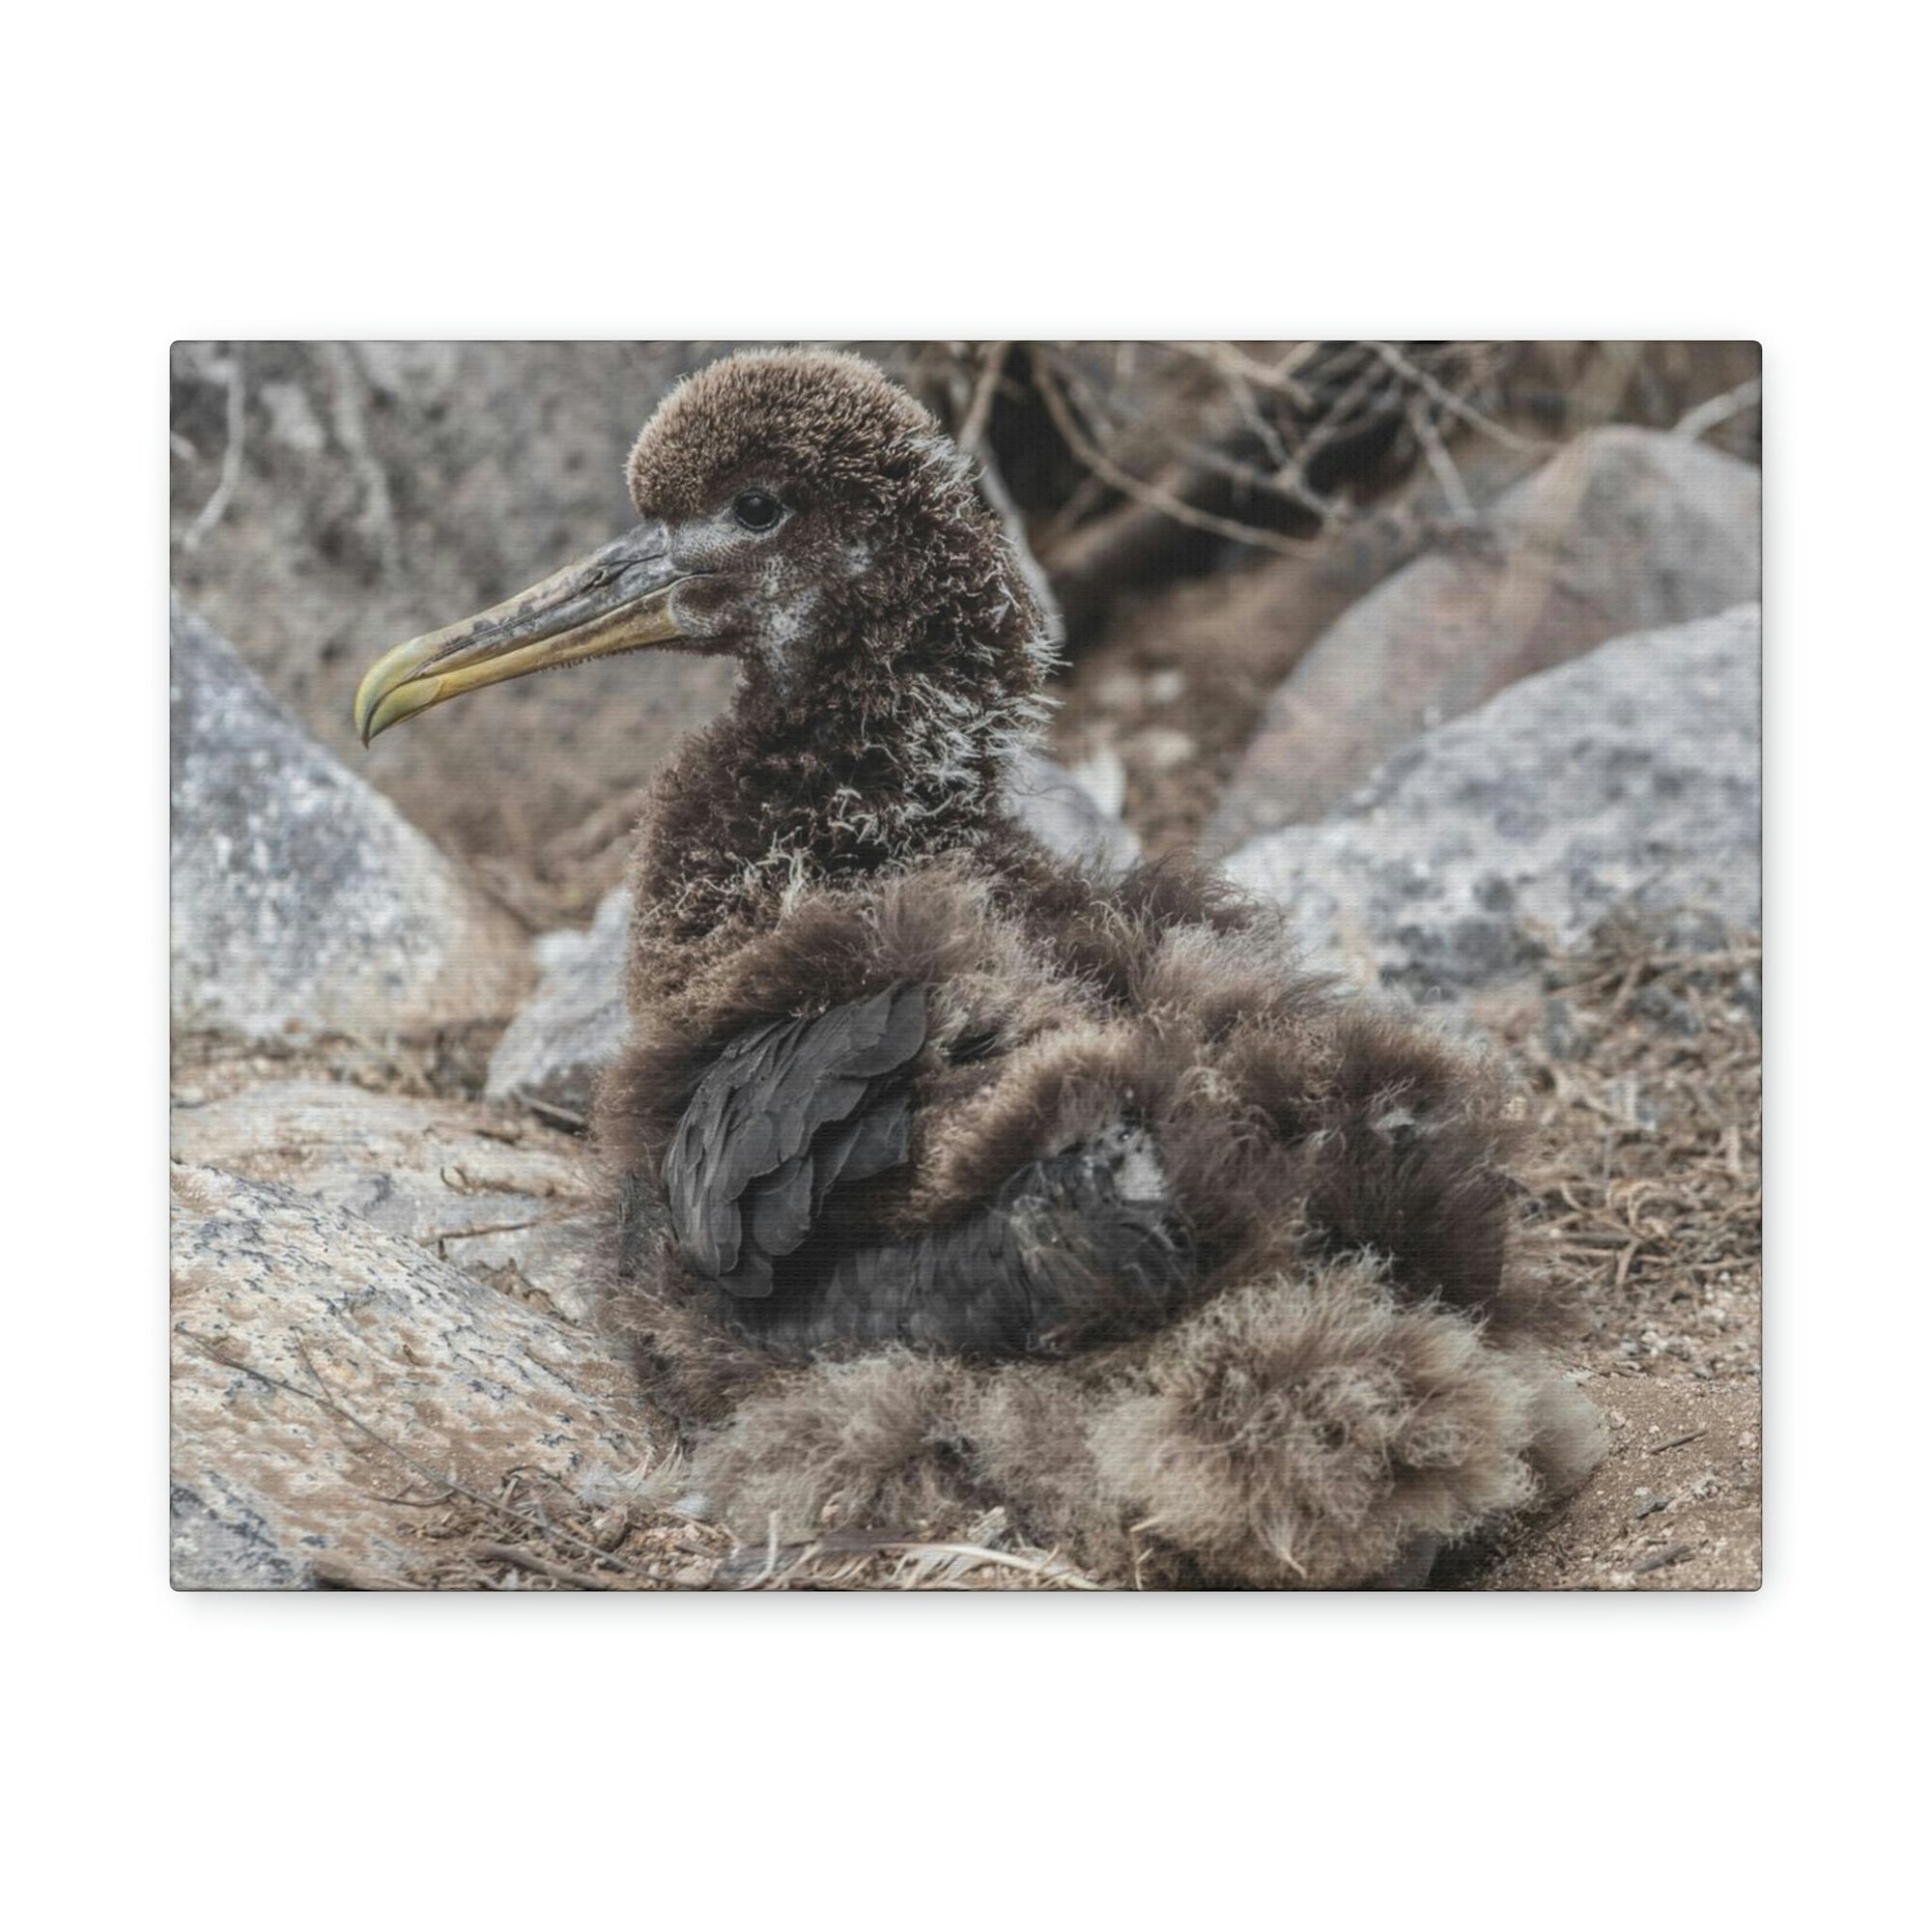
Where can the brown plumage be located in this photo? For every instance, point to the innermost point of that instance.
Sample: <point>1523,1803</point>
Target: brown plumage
<point>953,1176</point>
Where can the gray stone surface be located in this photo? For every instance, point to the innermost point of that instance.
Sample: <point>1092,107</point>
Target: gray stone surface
<point>322,1368</point>
<point>485,1187</point>
<point>1066,818</point>
<point>1625,530</point>
<point>299,897</point>
<point>575,1022</point>
<point>1629,778</point>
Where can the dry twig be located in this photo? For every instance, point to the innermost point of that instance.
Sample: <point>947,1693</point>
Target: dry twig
<point>1715,410</point>
<point>231,456</point>
<point>1168,504</point>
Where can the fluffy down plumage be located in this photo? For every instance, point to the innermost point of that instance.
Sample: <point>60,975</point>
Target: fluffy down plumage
<point>1353,1360</point>
<point>951,1175</point>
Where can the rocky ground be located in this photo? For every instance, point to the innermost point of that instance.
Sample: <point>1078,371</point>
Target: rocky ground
<point>388,1370</point>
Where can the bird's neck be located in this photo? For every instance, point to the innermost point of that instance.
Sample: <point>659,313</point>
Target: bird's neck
<point>792,789</point>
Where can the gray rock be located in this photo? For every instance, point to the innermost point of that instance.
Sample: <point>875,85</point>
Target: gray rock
<point>1066,818</point>
<point>502,1197</point>
<point>1626,530</point>
<point>323,1369</point>
<point>576,1021</point>
<point>1627,779</point>
<point>301,899</point>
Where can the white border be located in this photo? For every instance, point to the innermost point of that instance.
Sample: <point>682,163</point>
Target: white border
<point>994,170</point>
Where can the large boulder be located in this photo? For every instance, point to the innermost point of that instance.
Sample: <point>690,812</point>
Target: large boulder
<point>576,1021</point>
<point>327,1375</point>
<point>1625,530</point>
<point>507,1200</point>
<point>1626,780</point>
<point>301,899</point>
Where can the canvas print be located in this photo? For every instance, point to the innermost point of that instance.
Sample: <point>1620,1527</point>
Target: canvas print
<point>965,965</point>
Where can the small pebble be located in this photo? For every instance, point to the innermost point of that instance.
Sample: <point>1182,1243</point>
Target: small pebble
<point>1659,1559</point>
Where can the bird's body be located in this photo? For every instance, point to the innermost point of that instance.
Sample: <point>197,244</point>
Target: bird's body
<point>954,1174</point>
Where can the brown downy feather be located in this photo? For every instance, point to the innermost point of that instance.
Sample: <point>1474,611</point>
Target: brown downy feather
<point>1340,1172</point>
<point>1299,1432</point>
<point>1352,1368</point>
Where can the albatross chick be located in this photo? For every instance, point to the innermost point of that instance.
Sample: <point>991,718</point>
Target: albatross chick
<point>949,1175</point>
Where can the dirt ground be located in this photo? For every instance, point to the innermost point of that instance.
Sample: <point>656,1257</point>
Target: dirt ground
<point>1642,1062</point>
<point>1675,1506</point>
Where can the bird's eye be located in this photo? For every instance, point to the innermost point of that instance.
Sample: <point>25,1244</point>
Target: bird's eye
<point>758,509</point>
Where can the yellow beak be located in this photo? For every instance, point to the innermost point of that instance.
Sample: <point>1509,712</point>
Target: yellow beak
<point>616,599</point>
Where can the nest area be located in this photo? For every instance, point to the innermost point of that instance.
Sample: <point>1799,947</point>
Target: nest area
<point>1638,1057</point>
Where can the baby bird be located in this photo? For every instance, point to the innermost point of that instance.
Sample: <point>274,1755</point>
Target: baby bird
<point>950,1175</point>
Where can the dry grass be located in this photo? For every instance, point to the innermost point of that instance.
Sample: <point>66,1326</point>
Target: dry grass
<point>1263,444</point>
<point>448,1063</point>
<point>536,1534</point>
<point>1644,1064</point>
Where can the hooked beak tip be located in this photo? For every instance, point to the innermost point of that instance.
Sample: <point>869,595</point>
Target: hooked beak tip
<point>614,601</point>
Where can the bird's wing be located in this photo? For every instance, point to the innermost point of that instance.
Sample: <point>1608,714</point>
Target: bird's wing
<point>783,1113</point>
<point>1074,1249</point>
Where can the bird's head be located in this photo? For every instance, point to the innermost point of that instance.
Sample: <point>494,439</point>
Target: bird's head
<point>801,513</point>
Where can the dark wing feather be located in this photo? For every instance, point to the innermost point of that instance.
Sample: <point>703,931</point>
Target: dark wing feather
<point>872,1141</point>
<point>1073,1250</point>
<point>786,1110</point>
